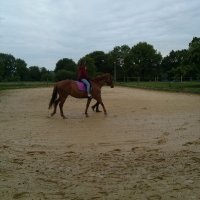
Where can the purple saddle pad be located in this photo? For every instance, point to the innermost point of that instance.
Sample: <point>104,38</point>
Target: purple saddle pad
<point>81,86</point>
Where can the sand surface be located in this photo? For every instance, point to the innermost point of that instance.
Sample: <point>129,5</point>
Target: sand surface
<point>147,147</point>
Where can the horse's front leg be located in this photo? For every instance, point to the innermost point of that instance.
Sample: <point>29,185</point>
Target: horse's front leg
<point>99,101</point>
<point>87,105</point>
<point>104,109</point>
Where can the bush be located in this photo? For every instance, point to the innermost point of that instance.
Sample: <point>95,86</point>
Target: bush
<point>64,74</point>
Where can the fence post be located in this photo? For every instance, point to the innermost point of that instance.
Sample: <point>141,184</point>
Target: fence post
<point>115,73</point>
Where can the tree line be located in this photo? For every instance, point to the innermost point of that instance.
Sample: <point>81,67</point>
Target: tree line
<point>140,62</point>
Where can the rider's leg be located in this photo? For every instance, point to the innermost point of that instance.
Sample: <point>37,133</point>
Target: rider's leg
<point>87,86</point>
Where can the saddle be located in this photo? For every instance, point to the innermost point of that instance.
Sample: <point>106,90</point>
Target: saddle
<point>81,85</point>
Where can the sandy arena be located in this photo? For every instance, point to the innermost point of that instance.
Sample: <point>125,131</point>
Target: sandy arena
<point>146,148</point>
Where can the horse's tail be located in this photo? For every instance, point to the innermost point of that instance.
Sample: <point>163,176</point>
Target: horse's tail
<point>54,96</point>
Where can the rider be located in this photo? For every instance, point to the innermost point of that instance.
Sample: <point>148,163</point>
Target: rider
<point>83,76</point>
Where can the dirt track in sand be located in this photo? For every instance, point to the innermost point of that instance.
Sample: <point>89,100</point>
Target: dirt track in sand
<point>148,147</point>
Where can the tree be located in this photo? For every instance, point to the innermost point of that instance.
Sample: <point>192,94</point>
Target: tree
<point>34,73</point>
<point>21,69</point>
<point>119,61</point>
<point>173,64</point>
<point>101,61</point>
<point>194,51</point>
<point>48,76</point>
<point>7,66</point>
<point>65,64</point>
<point>44,74</point>
<point>144,61</point>
<point>2,66</point>
<point>194,57</point>
<point>63,74</point>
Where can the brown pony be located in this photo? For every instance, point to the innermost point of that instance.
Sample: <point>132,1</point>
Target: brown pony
<point>63,89</point>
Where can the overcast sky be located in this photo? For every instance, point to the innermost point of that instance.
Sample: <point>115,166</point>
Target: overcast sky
<point>43,31</point>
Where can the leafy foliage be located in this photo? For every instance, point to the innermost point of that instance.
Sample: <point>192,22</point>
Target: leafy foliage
<point>140,62</point>
<point>65,64</point>
<point>145,60</point>
<point>63,74</point>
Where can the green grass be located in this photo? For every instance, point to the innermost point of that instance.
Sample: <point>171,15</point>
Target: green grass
<point>190,87</point>
<point>20,85</point>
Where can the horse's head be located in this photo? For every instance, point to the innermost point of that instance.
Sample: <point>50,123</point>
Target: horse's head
<point>109,80</point>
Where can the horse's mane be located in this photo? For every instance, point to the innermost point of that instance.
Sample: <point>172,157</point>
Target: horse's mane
<point>100,77</point>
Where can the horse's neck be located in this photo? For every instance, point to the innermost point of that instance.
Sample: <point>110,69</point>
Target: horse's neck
<point>100,83</point>
<point>101,80</point>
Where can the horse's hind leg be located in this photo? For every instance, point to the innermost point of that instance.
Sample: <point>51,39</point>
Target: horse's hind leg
<point>62,101</point>
<point>87,105</point>
<point>95,107</point>
<point>55,106</point>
